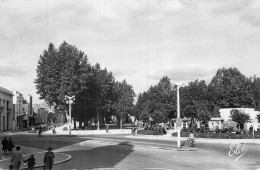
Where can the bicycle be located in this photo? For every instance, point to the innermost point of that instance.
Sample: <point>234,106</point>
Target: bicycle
<point>190,143</point>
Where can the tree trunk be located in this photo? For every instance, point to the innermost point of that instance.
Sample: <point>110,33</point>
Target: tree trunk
<point>80,124</point>
<point>97,119</point>
<point>75,124</point>
<point>85,124</point>
<point>121,122</point>
<point>101,118</point>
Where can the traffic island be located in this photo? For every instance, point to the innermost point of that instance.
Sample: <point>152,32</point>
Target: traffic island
<point>186,149</point>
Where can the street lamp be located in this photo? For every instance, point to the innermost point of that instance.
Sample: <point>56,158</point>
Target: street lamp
<point>178,120</point>
<point>69,100</point>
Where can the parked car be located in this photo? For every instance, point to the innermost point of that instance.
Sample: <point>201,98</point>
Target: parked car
<point>33,129</point>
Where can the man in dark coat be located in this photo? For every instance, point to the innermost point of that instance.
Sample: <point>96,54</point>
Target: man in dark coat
<point>10,146</point>
<point>48,159</point>
<point>5,145</point>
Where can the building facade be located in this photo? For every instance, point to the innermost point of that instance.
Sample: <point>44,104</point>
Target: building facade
<point>6,110</point>
<point>41,112</point>
<point>225,114</point>
<point>17,102</point>
<point>23,110</point>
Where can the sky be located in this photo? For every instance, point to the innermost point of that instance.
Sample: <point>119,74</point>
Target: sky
<point>137,40</point>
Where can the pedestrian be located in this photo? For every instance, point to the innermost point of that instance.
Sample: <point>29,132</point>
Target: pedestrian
<point>54,131</point>
<point>48,159</point>
<point>17,158</point>
<point>251,129</point>
<point>10,146</point>
<point>40,131</point>
<point>5,144</point>
<point>31,162</point>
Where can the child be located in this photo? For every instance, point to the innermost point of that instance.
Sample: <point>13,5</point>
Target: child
<point>31,162</point>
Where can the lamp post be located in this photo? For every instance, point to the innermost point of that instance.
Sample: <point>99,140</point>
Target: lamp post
<point>178,118</point>
<point>69,100</point>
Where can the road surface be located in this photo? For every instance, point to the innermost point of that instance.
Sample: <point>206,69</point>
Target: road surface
<point>119,152</point>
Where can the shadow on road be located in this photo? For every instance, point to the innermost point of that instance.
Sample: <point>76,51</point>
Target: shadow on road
<point>101,157</point>
<point>46,140</point>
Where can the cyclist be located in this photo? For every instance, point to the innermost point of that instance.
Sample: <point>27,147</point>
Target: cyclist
<point>191,138</point>
<point>133,130</point>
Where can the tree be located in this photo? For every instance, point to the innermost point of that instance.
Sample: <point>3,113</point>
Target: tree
<point>231,89</point>
<point>162,100</point>
<point>102,93</point>
<point>240,117</point>
<point>194,103</point>
<point>61,72</point>
<point>124,101</point>
<point>141,108</point>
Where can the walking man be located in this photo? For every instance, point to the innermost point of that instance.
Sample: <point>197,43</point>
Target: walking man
<point>5,145</point>
<point>48,159</point>
<point>40,132</point>
<point>10,146</point>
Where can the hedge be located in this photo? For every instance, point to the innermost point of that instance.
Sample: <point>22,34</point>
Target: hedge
<point>220,135</point>
<point>149,132</point>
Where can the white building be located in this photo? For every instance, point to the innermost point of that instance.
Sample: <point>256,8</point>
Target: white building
<point>225,114</point>
<point>22,109</point>
<point>18,101</point>
<point>6,110</point>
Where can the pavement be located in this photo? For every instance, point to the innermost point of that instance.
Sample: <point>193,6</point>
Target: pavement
<point>61,157</point>
<point>38,155</point>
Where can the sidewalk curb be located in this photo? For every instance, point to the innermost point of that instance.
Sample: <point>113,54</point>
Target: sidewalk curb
<point>67,158</point>
<point>55,163</point>
<point>186,149</point>
<point>198,140</point>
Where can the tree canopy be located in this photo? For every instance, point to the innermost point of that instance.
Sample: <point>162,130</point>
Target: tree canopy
<point>66,71</point>
<point>229,88</point>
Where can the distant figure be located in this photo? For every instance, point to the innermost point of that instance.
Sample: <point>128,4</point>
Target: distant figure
<point>53,130</point>
<point>164,130</point>
<point>31,162</point>
<point>5,145</point>
<point>48,159</point>
<point>40,132</point>
<point>17,158</point>
<point>251,129</point>
<point>10,146</point>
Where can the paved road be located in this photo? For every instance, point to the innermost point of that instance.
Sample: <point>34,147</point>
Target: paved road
<point>117,151</point>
